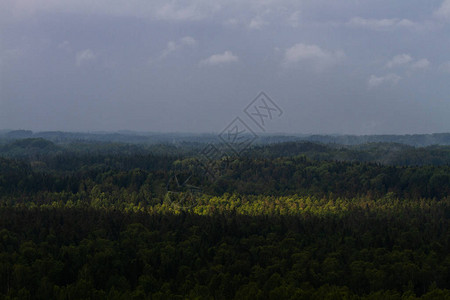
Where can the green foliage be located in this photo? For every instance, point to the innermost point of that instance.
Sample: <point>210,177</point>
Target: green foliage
<point>99,225</point>
<point>364,253</point>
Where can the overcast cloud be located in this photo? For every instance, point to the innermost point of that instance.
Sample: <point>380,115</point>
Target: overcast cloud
<point>348,66</point>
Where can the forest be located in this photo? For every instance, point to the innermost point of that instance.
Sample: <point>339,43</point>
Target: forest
<point>83,219</point>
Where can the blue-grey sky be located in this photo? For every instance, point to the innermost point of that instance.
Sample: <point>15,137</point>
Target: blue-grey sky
<point>349,66</point>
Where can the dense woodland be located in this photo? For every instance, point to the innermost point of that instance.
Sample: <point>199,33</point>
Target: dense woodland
<point>295,220</point>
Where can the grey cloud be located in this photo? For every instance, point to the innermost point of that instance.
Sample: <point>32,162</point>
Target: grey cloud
<point>257,23</point>
<point>312,53</point>
<point>218,59</point>
<point>445,67</point>
<point>408,61</point>
<point>84,56</point>
<point>80,65</point>
<point>443,11</point>
<point>391,79</point>
<point>421,64</point>
<point>172,46</point>
<point>398,60</point>
<point>380,24</point>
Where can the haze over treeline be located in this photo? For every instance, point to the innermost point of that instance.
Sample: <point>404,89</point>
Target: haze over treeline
<point>416,140</point>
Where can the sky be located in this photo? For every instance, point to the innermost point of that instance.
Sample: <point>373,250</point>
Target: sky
<point>332,67</point>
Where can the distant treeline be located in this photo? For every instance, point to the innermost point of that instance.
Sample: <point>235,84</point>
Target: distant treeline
<point>383,153</point>
<point>39,149</point>
<point>417,140</point>
<point>140,172</point>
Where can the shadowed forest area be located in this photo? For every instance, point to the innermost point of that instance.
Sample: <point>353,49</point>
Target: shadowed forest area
<point>290,220</point>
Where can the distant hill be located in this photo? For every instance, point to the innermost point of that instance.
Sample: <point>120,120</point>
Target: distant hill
<point>418,140</point>
<point>28,147</point>
<point>60,137</point>
<point>18,134</point>
<point>384,153</point>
